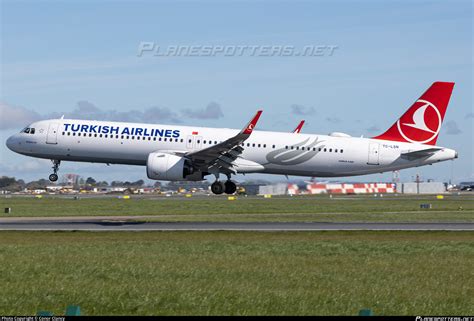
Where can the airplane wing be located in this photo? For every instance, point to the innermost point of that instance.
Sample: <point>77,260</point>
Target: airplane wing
<point>299,127</point>
<point>222,155</point>
<point>420,153</point>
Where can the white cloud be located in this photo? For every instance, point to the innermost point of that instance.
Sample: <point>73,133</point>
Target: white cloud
<point>334,120</point>
<point>212,111</point>
<point>87,110</point>
<point>373,129</point>
<point>452,128</point>
<point>302,110</point>
<point>16,117</point>
<point>26,165</point>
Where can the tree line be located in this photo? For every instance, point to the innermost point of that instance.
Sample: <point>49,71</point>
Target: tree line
<point>14,185</point>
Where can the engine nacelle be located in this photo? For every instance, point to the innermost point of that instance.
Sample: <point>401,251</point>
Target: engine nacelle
<point>168,167</point>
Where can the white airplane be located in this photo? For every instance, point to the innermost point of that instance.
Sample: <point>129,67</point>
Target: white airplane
<point>181,153</point>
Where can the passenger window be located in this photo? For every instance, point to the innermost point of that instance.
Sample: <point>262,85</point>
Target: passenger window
<point>330,150</point>
<point>273,146</point>
<point>32,131</point>
<point>342,151</point>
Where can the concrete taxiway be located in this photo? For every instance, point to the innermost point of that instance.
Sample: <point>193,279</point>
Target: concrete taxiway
<point>107,224</point>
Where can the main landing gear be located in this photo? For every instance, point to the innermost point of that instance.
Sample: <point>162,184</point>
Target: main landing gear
<point>219,187</point>
<point>54,177</point>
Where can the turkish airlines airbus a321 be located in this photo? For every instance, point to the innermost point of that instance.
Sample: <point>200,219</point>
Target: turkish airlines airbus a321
<point>181,153</point>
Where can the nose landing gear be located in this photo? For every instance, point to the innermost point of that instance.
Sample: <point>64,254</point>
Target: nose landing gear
<point>54,177</point>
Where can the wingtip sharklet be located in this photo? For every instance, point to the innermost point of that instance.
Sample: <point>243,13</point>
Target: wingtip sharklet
<point>251,125</point>
<point>299,127</point>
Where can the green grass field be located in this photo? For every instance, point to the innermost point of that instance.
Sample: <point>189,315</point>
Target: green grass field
<point>237,273</point>
<point>337,209</point>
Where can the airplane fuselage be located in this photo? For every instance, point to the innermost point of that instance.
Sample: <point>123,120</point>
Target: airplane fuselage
<point>264,151</point>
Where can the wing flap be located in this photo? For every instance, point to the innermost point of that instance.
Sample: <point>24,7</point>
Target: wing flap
<point>225,153</point>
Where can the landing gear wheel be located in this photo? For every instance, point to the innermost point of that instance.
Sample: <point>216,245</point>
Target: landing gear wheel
<point>217,187</point>
<point>230,187</point>
<point>54,177</point>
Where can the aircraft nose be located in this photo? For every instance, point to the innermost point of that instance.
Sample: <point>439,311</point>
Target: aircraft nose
<point>11,143</point>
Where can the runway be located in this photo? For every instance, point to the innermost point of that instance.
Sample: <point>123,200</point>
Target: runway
<point>25,224</point>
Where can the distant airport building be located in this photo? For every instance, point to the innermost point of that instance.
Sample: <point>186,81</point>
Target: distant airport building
<point>423,188</point>
<point>273,189</point>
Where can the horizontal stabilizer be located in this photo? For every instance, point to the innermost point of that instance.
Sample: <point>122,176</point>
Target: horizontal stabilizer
<point>420,153</point>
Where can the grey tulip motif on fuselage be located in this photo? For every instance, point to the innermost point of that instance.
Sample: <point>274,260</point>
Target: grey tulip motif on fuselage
<point>294,156</point>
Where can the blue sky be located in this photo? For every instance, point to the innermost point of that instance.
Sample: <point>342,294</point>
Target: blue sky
<point>76,56</point>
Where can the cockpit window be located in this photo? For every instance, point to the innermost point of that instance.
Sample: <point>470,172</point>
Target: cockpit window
<point>28,130</point>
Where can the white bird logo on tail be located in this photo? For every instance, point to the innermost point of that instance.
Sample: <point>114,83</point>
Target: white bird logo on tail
<point>419,119</point>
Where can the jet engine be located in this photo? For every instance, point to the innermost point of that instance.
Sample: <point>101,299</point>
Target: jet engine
<point>169,167</point>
